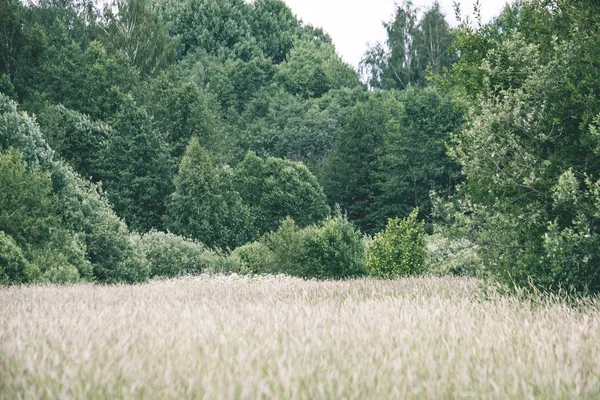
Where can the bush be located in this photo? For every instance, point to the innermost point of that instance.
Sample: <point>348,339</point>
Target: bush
<point>14,268</point>
<point>62,261</point>
<point>399,250</point>
<point>255,258</point>
<point>218,262</point>
<point>56,268</point>
<point>134,268</point>
<point>331,250</point>
<point>169,255</point>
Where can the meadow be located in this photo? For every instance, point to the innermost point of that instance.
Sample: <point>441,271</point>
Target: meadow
<point>277,337</point>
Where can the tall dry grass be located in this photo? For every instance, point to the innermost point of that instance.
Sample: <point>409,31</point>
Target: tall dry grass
<point>234,337</point>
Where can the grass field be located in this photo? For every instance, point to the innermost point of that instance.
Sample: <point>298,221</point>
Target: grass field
<point>274,337</point>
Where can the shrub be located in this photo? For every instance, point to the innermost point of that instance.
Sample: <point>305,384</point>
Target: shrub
<point>55,268</point>
<point>218,262</point>
<point>133,268</point>
<point>74,136</point>
<point>62,261</point>
<point>399,250</point>
<point>85,209</point>
<point>30,214</point>
<point>14,268</point>
<point>255,258</point>
<point>331,250</point>
<point>169,255</point>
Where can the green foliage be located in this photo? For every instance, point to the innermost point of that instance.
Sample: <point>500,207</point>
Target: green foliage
<point>137,170</point>
<point>28,206</point>
<point>413,160</point>
<point>81,207</point>
<point>350,174</point>
<point>205,206</point>
<point>14,268</point>
<point>19,130</point>
<point>169,255</point>
<point>451,257</point>
<point>179,111</point>
<point>278,124</point>
<point>399,250</point>
<point>528,151</point>
<point>331,250</point>
<point>134,268</point>
<point>217,27</point>
<point>86,210</point>
<point>7,88</point>
<point>29,214</point>
<point>54,267</point>
<point>275,28</point>
<point>89,80</point>
<point>233,82</point>
<point>312,69</point>
<point>414,48</point>
<point>255,258</point>
<point>77,139</point>
<point>136,31</point>
<point>275,189</point>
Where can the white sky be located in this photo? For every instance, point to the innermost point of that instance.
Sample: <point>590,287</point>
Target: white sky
<point>354,23</point>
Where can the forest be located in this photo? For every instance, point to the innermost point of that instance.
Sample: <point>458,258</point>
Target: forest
<point>160,138</point>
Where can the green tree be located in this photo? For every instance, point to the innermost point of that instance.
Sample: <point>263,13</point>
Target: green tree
<point>180,111</point>
<point>14,268</point>
<point>530,151</point>
<point>332,249</point>
<point>351,176</point>
<point>205,206</point>
<point>30,214</point>
<point>275,189</point>
<point>413,47</point>
<point>11,12</point>
<point>275,28</point>
<point>279,124</point>
<point>82,206</point>
<point>216,27</point>
<point>29,209</point>
<point>76,138</point>
<point>136,169</point>
<point>133,28</point>
<point>413,160</point>
<point>312,69</point>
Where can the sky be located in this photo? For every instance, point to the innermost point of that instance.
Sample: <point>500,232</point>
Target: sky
<point>353,24</point>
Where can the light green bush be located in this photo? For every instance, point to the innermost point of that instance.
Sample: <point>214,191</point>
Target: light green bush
<point>219,262</point>
<point>14,268</point>
<point>169,255</point>
<point>256,258</point>
<point>331,250</point>
<point>399,250</point>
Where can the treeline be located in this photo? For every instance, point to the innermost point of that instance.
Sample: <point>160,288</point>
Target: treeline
<point>237,129</point>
